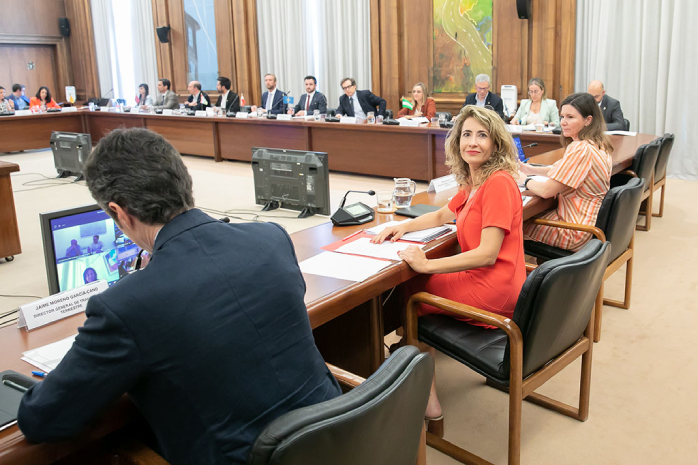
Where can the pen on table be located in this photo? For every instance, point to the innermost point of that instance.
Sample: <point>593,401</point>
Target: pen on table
<point>40,374</point>
<point>353,234</point>
<point>14,385</point>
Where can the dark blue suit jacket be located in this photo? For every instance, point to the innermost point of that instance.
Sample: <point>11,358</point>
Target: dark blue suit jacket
<point>493,100</point>
<point>319,102</point>
<point>211,341</point>
<point>277,106</point>
<point>367,100</point>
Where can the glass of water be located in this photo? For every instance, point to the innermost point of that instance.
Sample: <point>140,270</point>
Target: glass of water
<point>371,117</point>
<point>316,115</point>
<point>181,107</point>
<point>442,118</point>
<point>260,112</point>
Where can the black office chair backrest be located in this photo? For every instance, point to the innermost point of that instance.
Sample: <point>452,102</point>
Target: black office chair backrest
<point>331,111</point>
<point>388,114</point>
<point>645,161</point>
<point>380,421</point>
<point>618,214</point>
<point>667,142</point>
<point>448,114</point>
<point>556,302</point>
<point>627,124</point>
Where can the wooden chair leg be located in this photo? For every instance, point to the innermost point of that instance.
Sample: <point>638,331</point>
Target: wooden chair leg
<point>661,202</point>
<point>598,313</point>
<point>628,281</point>
<point>422,451</point>
<point>515,401</point>
<point>585,381</point>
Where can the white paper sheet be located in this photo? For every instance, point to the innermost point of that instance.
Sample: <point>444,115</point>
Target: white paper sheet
<point>378,229</point>
<point>342,266</point>
<point>49,356</point>
<point>621,133</point>
<point>365,247</point>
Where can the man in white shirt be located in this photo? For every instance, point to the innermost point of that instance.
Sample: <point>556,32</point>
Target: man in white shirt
<point>198,100</point>
<point>228,100</point>
<point>167,99</point>
<point>311,100</point>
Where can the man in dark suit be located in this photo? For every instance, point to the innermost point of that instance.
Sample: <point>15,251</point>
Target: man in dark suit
<point>482,97</point>
<point>312,99</point>
<point>610,107</point>
<point>228,100</point>
<point>358,102</point>
<point>273,98</point>
<point>211,341</point>
<point>198,100</point>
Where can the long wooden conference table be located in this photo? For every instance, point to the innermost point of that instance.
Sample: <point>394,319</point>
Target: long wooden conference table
<point>346,316</point>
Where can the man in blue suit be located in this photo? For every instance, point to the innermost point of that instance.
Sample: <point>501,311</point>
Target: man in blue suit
<point>273,98</point>
<point>211,341</point>
<point>312,99</point>
<point>358,102</point>
<point>482,97</point>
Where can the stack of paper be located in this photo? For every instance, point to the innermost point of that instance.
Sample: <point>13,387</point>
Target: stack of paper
<point>426,235</point>
<point>387,250</point>
<point>49,356</point>
<point>342,266</point>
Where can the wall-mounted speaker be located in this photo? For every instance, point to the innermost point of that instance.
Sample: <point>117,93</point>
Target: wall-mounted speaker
<point>523,9</point>
<point>64,26</point>
<point>163,34</point>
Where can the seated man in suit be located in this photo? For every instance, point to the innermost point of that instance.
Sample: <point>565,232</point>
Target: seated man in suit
<point>167,99</point>
<point>228,100</point>
<point>610,107</point>
<point>358,102</point>
<point>214,332</point>
<point>273,98</point>
<point>198,100</point>
<point>310,101</point>
<point>482,97</point>
<point>20,100</point>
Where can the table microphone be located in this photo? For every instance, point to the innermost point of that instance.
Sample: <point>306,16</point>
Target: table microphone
<point>535,144</point>
<point>341,204</point>
<point>354,214</point>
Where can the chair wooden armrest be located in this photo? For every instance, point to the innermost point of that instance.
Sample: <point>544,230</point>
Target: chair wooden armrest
<point>530,267</point>
<point>577,227</point>
<point>630,173</point>
<point>345,378</point>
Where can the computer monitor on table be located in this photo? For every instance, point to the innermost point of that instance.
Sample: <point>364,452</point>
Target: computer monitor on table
<point>82,245</point>
<point>293,179</point>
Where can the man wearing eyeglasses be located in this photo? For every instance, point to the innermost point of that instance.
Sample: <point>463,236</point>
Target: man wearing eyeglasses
<point>358,103</point>
<point>482,97</point>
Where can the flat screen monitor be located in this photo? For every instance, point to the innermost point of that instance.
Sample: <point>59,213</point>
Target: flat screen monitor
<point>519,149</point>
<point>82,245</point>
<point>293,179</point>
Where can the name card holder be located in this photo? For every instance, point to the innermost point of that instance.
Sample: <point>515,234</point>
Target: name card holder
<point>242,114</point>
<point>515,128</point>
<point>58,306</point>
<point>23,112</point>
<point>200,113</point>
<point>442,184</point>
<point>348,120</point>
<point>135,109</point>
<point>284,117</point>
<point>167,112</point>
<point>104,109</point>
<point>69,109</point>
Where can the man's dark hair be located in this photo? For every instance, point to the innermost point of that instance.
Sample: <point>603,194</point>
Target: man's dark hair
<point>353,81</point>
<point>16,87</point>
<point>225,82</point>
<point>166,83</point>
<point>311,77</point>
<point>198,85</point>
<point>2,88</point>
<point>142,173</point>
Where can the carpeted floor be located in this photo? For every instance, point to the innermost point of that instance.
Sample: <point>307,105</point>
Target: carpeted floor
<point>643,408</point>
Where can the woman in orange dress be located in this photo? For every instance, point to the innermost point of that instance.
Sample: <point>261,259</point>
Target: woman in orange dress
<point>580,179</point>
<point>43,100</point>
<point>488,210</point>
<point>422,104</point>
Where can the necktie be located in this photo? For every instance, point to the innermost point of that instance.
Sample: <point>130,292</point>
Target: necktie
<point>351,104</point>
<point>307,103</point>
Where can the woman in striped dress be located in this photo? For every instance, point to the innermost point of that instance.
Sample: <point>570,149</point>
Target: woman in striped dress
<point>580,179</point>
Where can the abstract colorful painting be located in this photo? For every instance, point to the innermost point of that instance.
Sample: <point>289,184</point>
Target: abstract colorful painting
<point>462,44</point>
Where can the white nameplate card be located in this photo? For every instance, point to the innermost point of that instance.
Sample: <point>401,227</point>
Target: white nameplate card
<point>69,109</point>
<point>408,122</point>
<point>200,113</point>
<point>58,306</point>
<point>167,112</point>
<point>23,112</point>
<point>348,120</point>
<point>135,110</point>
<point>242,114</point>
<point>284,117</point>
<point>211,111</point>
<point>443,183</point>
<point>104,108</point>
<point>514,128</point>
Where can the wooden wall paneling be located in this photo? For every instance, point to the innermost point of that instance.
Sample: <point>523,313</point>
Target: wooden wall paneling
<point>14,70</point>
<point>163,51</point>
<point>542,48</point>
<point>31,17</point>
<point>225,42</point>
<point>82,50</point>
<point>375,48</point>
<point>509,47</point>
<point>390,57</point>
<point>179,48</point>
<point>246,50</point>
<point>416,22</point>
<point>567,19</point>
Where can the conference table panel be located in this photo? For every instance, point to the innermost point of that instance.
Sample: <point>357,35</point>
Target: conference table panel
<point>9,230</point>
<point>236,138</point>
<point>103,123</point>
<point>34,132</point>
<point>189,135</point>
<point>369,150</point>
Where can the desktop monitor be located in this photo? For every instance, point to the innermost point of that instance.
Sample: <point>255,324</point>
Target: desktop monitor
<point>293,179</point>
<point>519,149</point>
<point>70,151</point>
<point>82,245</point>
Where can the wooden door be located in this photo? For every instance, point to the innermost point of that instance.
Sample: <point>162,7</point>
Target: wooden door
<point>16,60</point>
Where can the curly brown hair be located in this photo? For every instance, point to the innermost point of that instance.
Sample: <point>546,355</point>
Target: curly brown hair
<point>504,157</point>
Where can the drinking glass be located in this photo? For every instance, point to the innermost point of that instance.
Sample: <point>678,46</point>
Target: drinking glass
<point>371,117</point>
<point>442,118</point>
<point>385,201</point>
<point>181,108</point>
<point>260,112</point>
<point>379,119</point>
<point>316,115</point>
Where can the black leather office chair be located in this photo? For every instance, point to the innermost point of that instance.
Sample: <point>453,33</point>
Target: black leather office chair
<point>246,109</point>
<point>660,170</point>
<point>627,124</point>
<point>615,224</point>
<point>449,117</point>
<point>388,114</point>
<point>552,326</point>
<point>643,167</point>
<point>378,422</point>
